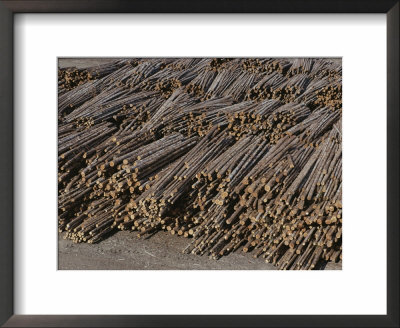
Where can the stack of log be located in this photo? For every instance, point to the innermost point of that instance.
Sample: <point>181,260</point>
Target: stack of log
<point>233,154</point>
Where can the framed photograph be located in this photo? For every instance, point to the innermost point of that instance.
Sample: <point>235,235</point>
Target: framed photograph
<point>199,164</point>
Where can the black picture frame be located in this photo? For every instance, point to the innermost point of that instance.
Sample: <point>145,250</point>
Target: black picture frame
<point>11,7</point>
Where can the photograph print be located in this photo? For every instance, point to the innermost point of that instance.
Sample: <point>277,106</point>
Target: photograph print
<point>200,163</point>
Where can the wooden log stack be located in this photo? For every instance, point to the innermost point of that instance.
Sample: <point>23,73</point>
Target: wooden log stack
<point>233,154</point>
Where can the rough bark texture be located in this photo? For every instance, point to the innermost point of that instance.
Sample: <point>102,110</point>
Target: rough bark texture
<point>233,154</point>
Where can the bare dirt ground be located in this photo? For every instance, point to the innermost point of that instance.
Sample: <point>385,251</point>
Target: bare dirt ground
<point>163,251</point>
<point>82,62</point>
<point>124,251</point>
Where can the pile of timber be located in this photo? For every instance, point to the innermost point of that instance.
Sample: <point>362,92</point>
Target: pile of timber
<point>233,154</point>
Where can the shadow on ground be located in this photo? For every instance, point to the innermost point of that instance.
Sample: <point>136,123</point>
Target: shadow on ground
<point>124,251</point>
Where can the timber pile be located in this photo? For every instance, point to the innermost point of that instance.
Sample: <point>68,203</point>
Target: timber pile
<point>233,154</point>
